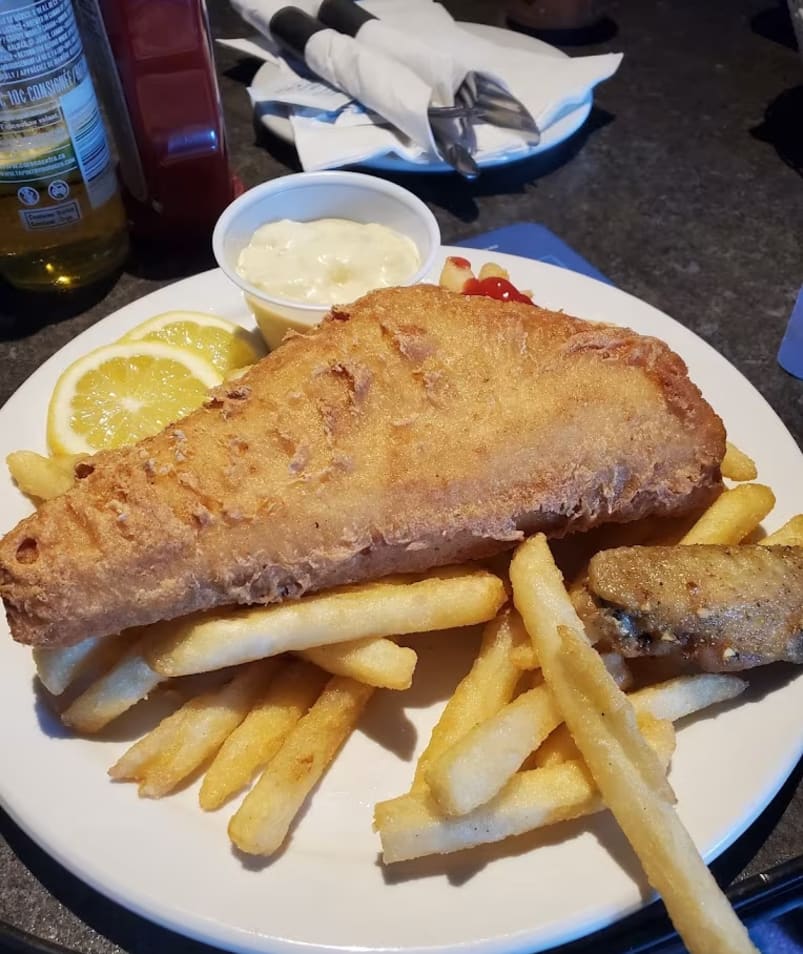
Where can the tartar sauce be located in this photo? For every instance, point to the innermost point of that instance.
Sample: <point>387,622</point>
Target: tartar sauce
<point>327,261</point>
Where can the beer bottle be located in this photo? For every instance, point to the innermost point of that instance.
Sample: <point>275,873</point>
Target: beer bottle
<point>62,223</point>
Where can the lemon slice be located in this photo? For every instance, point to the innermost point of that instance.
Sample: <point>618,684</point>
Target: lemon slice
<point>124,392</point>
<point>223,344</point>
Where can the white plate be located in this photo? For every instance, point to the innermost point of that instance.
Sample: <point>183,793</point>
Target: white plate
<point>558,132</point>
<point>170,862</point>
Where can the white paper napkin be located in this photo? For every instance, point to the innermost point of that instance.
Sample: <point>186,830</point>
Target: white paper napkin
<point>332,130</point>
<point>387,86</point>
<point>547,85</point>
<point>441,72</point>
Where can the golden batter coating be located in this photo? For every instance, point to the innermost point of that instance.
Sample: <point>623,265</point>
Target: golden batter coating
<point>414,428</point>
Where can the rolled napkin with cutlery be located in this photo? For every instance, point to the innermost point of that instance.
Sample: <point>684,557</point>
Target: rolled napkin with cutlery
<point>475,96</point>
<point>394,92</point>
<point>547,85</point>
<point>442,72</point>
<point>520,92</point>
<point>391,90</point>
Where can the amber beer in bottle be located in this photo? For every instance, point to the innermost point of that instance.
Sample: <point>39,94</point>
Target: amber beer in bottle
<point>62,223</point>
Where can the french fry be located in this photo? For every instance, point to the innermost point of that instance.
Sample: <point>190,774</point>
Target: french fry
<point>674,529</point>
<point>699,911</point>
<point>559,747</point>
<point>489,685</point>
<point>613,749</point>
<point>454,275</point>
<point>58,667</point>
<point>522,653</point>
<point>674,699</point>
<point>129,680</point>
<point>492,270</point>
<point>732,516</point>
<point>477,766</point>
<point>42,477</point>
<point>412,826</point>
<point>736,465</point>
<point>455,597</point>
<point>683,696</point>
<point>376,662</point>
<point>186,739</point>
<point>546,609</point>
<point>523,658</point>
<point>263,820</point>
<point>599,713</point>
<point>260,735</point>
<point>789,535</point>
<point>617,666</point>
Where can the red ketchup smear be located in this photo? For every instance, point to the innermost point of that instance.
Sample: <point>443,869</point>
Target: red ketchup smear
<point>499,288</point>
<point>459,262</point>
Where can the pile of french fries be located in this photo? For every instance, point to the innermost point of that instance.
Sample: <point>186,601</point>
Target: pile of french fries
<point>285,686</point>
<point>543,728</point>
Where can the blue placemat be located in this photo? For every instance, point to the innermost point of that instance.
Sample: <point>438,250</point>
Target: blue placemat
<point>534,241</point>
<point>537,242</point>
<point>790,355</point>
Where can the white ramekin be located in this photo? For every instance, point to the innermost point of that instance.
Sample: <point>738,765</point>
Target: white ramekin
<point>304,197</point>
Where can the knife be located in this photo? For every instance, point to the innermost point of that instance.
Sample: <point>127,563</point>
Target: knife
<point>305,37</point>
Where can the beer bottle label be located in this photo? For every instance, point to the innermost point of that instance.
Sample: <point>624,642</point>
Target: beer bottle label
<point>51,133</point>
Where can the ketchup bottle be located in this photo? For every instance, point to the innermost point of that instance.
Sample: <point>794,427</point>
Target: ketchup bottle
<point>157,78</point>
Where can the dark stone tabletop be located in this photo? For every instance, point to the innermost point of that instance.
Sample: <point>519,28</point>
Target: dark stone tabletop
<point>684,188</point>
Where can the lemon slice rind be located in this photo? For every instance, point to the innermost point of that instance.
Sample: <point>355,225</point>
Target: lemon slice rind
<point>62,437</point>
<point>157,322</point>
<point>248,343</point>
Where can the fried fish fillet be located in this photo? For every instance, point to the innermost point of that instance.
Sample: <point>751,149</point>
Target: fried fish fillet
<point>414,428</point>
<point>724,608</point>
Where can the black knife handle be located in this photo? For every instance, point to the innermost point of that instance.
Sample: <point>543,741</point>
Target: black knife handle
<point>345,16</point>
<point>292,28</point>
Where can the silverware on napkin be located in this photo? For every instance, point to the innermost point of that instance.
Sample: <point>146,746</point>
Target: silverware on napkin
<point>349,66</point>
<point>477,96</point>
